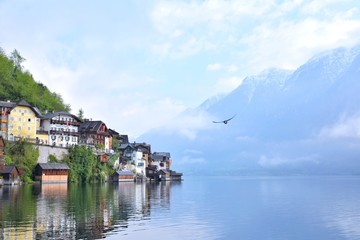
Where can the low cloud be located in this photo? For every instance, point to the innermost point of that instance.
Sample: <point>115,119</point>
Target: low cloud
<point>191,160</point>
<point>275,161</point>
<point>188,124</point>
<point>214,67</point>
<point>346,127</point>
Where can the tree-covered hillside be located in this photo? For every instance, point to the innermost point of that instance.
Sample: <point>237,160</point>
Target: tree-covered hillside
<point>17,84</point>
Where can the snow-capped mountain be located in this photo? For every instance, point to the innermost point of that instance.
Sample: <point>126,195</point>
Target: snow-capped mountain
<point>305,121</point>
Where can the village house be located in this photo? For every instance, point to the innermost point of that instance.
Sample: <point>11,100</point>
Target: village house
<point>5,110</point>
<point>60,129</point>
<point>52,172</point>
<point>161,160</point>
<point>134,156</point>
<point>94,133</point>
<point>19,120</point>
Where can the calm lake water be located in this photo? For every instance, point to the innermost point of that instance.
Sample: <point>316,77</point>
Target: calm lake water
<point>197,208</point>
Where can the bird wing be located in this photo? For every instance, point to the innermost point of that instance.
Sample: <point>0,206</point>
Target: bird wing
<point>230,118</point>
<point>224,120</point>
<point>217,122</point>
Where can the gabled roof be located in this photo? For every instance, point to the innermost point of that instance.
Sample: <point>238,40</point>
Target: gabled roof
<point>91,127</point>
<point>113,132</point>
<point>53,166</point>
<point>8,169</point>
<point>124,146</point>
<point>165,154</point>
<point>123,139</point>
<point>26,104</point>
<point>7,104</point>
<point>20,103</point>
<point>23,103</point>
<point>143,147</point>
<point>157,158</point>
<point>124,172</point>
<point>55,114</point>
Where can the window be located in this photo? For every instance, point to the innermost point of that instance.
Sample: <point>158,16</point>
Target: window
<point>19,119</point>
<point>29,128</point>
<point>28,136</point>
<point>29,119</point>
<point>19,127</point>
<point>11,127</point>
<point>12,118</point>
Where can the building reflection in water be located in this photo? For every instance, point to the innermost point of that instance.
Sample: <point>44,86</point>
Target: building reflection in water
<point>86,211</point>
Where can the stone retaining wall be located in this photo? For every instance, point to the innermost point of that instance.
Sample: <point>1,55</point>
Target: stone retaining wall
<point>45,151</point>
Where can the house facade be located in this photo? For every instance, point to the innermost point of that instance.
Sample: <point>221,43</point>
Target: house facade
<point>162,160</point>
<point>61,128</point>
<point>135,157</point>
<point>94,133</point>
<point>5,111</point>
<point>19,120</point>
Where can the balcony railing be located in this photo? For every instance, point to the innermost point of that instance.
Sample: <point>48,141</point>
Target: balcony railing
<point>64,132</point>
<point>42,132</point>
<point>64,122</point>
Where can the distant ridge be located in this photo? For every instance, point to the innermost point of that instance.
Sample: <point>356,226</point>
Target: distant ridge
<point>304,121</point>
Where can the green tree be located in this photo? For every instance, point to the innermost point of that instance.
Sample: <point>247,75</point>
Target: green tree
<point>115,144</point>
<point>23,155</point>
<point>17,84</point>
<point>17,60</point>
<point>82,162</point>
<point>81,114</point>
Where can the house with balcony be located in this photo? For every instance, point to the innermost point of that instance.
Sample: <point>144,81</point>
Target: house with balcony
<point>6,107</point>
<point>135,157</point>
<point>59,129</point>
<point>93,133</point>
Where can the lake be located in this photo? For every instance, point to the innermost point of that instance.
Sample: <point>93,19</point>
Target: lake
<point>196,208</point>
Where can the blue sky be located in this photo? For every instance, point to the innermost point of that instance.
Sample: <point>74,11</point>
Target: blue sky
<point>137,64</point>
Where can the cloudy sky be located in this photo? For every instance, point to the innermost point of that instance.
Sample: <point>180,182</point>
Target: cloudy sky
<point>137,64</point>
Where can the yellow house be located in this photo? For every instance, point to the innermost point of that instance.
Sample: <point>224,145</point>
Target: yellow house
<point>22,122</point>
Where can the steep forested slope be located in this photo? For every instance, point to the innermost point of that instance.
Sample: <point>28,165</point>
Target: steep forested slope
<point>17,84</point>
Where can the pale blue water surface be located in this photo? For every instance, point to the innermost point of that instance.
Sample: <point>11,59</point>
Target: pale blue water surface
<point>196,208</point>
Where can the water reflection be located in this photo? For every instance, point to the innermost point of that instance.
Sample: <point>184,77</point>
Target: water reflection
<point>75,211</point>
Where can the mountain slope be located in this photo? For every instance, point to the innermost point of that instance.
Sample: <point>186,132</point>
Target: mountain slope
<point>301,122</point>
<point>17,84</point>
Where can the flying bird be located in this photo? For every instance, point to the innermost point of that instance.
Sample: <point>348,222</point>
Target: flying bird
<point>225,121</point>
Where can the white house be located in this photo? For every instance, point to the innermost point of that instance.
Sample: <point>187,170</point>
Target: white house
<point>63,128</point>
<point>138,161</point>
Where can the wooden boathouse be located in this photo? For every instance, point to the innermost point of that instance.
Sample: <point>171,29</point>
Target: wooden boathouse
<point>52,172</point>
<point>123,176</point>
